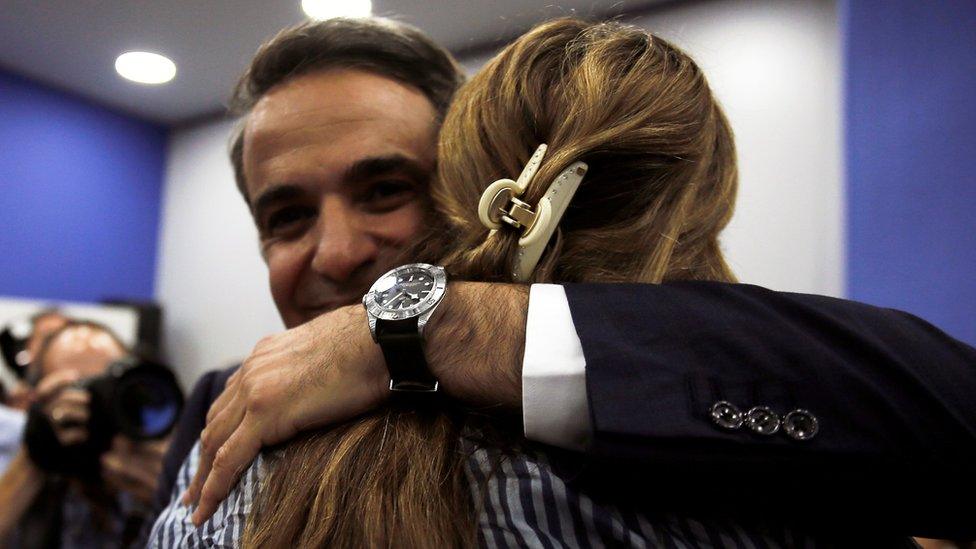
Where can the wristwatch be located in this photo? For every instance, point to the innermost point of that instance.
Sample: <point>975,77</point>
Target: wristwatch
<point>398,306</point>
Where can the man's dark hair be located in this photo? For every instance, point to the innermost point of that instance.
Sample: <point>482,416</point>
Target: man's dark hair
<point>388,48</point>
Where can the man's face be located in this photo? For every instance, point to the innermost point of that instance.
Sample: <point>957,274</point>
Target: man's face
<point>336,164</point>
<point>83,349</point>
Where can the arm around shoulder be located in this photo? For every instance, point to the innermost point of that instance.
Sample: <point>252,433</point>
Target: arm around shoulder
<point>892,395</point>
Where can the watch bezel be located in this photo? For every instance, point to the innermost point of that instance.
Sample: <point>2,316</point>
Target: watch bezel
<point>437,292</point>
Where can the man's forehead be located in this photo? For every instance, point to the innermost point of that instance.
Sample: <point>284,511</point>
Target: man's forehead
<point>331,118</point>
<point>336,97</point>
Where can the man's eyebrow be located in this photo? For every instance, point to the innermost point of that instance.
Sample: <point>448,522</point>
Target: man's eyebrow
<point>276,193</point>
<point>361,170</point>
<point>369,168</point>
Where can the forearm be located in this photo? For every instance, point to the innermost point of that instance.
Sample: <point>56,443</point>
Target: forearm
<point>329,370</point>
<point>19,486</point>
<point>475,342</point>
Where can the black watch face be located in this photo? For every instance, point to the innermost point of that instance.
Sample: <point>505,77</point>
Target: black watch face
<point>406,291</point>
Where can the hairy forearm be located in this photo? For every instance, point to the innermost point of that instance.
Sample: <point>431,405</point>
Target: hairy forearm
<point>475,342</point>
<point>329,370</point>
<point>19,486</point>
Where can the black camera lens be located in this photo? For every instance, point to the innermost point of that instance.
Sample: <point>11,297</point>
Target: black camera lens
<point>134,397</point>
<point>147,403</point>
<point>137,398</point>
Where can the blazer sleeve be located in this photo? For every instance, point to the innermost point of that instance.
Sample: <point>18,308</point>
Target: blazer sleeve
<point>893,395</point>
<point>191,423</point>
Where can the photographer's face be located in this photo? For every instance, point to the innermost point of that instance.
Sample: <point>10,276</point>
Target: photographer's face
<point>83,350</point>
<point>336,164</point>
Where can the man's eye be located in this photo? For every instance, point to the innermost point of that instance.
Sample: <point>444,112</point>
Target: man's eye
<point>287,219</point>
<point>388,195</point>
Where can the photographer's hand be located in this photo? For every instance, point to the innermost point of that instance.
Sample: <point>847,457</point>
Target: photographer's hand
<point>65,406</point>
<point>134,466</point>
<point>21,397</point>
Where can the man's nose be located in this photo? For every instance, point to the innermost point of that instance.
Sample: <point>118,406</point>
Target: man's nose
<point>344,243</point>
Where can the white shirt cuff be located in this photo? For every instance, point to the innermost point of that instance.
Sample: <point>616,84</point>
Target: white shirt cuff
<point>554,406</point>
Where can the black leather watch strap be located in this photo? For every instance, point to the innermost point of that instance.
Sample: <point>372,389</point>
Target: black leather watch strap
<point>403,351</point>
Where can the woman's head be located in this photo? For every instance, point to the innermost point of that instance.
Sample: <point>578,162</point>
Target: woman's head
<point>662,174</point>
<point>659,189</point>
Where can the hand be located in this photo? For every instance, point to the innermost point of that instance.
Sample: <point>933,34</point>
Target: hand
<point>20,397</point>
<point>134,466</point>
<point>65,406</point>
<point>322,372</point>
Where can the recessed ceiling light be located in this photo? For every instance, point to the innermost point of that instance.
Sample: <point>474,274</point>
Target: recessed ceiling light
<point>327,9</point>
<point>145,67</point>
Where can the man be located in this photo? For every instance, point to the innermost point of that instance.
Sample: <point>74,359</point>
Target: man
<point>52,511</point>
<point>339,139</point>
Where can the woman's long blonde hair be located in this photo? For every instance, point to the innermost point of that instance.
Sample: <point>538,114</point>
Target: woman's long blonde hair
<point>660,188</point>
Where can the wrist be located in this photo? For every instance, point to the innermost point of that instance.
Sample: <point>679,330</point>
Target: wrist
<point>369,364</point>
<point>475,341</point>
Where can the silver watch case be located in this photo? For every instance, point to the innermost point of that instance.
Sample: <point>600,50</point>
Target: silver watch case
<point>422,310</point>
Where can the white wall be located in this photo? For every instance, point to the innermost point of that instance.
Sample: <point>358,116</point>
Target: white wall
<point>775,66</point>
<point>210,278</point>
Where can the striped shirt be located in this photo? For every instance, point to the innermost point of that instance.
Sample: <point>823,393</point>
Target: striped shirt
<point>521,502</point>
<point>225,528</point>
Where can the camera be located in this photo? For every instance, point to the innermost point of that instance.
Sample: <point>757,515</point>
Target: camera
<point>134,397</point>
<point>13,346</point>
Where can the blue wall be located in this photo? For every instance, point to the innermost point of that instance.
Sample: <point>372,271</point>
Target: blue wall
<point>911,158</point>
<point>80,194</point>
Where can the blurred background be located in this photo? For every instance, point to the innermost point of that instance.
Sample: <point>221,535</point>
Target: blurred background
<point>855,123</point>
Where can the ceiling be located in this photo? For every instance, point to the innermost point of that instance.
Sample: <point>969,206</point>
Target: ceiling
<point>72,44</point>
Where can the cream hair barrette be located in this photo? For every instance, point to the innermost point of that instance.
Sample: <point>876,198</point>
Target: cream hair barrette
<point>501,205</point>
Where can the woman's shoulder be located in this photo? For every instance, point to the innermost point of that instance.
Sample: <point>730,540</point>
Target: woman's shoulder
<point>173,527</point>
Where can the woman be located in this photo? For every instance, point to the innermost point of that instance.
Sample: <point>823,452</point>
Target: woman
<point>659,186</point>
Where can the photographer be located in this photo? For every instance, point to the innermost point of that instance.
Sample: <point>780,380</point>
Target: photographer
<point>74,482</point>
<point>20,341</point>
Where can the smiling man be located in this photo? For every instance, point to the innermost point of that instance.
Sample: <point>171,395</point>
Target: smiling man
<point>336,188</point>
<point>339,140</point>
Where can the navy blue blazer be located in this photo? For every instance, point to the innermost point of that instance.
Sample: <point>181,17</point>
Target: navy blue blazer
<point>192,420</point>
<point>892,394</point>
<point>895,400</point>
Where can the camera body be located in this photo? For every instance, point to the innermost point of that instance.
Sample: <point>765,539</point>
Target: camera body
<point>137,398</point>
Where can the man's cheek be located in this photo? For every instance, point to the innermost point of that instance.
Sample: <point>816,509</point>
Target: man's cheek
<point>404,224</point>
<point>282,276</point>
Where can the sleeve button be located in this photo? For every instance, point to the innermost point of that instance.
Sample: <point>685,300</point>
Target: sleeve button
<point>762,420</point>
<point>801,425</point>
<point>726,415</point>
